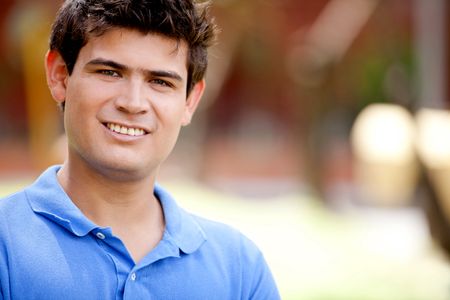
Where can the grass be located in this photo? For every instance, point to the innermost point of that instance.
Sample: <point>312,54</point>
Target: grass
<point>315,254</point>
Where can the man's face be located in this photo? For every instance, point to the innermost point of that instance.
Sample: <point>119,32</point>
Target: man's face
<point>124,102</point>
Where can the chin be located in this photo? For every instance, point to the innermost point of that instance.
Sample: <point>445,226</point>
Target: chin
<point>117,166</point>
<point>123,171</point>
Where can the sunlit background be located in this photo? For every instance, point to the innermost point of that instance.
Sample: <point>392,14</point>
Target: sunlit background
<point>324,136</point>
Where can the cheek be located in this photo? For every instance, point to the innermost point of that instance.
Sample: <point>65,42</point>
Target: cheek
<point>173,118</point>
<point>75,122</point>
<point>84,96</point>
<point>75,112</point>
<point>170,108</point>
<point>80,108</point>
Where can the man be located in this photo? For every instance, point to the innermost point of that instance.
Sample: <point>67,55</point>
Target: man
<point>127,74</point>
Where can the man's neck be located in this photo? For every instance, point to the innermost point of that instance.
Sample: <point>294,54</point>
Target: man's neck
<point>129,208</point>
<point>98,196</point>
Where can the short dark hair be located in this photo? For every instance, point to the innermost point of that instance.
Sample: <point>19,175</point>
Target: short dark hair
<point>183,20</point>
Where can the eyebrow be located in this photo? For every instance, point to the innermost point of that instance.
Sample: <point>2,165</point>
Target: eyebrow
<point>122,67</point>
<point>106,62</point>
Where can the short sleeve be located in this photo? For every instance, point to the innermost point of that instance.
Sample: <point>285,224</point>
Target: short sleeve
<point>263,283</point>
<point>257,280</point>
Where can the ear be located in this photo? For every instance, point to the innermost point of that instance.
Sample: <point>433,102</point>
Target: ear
<point>192,101</point>
<point>57,74</point>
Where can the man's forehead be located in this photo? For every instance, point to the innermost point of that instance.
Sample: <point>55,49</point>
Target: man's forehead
<point>130,43</point>
<point>179,45</point>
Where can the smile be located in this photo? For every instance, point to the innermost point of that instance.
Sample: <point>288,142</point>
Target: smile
<point>125,130</point>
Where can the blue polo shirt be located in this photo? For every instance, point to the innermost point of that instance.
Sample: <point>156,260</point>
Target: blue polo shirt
<point>50,250</point>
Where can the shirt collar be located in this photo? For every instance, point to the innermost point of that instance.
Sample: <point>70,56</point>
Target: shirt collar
<point>181,227</point>
<point>47,197</point>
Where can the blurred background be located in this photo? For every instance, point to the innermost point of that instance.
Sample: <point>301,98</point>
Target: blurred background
<point>324,136</point>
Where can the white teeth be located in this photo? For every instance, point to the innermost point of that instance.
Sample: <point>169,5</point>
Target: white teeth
<point>125,130</point>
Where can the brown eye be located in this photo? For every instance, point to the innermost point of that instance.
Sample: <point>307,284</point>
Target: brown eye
<point>161,82</point>
<point>110,73</point>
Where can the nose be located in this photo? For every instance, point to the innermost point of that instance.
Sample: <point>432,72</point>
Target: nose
<point>133,98</point>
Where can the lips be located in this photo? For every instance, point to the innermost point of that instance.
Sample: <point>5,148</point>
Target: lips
<point>130,131</point>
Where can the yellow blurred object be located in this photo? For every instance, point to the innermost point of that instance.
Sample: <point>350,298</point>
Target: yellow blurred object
<point>433,138</point>
<point>386,167</point>
<point>44,126</point>
<point>433,147</point>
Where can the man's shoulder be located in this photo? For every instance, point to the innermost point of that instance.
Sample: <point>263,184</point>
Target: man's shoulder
<point>15,209</point>
<point>188,226</point>
<point>12,202</point>
<point>226,236</point>
<point>232,250</point>
<point>14,212</point>
<point>214,226</point>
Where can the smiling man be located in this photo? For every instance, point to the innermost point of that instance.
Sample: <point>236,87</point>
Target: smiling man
<point>128,74</point>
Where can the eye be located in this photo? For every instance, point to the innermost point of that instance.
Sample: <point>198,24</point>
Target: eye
<point>161,82</point>
<point>110,73</point>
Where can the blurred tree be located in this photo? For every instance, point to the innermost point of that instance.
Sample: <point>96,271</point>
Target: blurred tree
<point>31,24</point>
